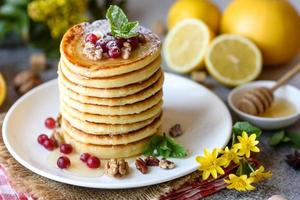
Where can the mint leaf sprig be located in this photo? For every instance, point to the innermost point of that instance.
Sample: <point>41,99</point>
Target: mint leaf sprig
<point>162,145</point>
<point>282,137</point>
<point>119,24</point>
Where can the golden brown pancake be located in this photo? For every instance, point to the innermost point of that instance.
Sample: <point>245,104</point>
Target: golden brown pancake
<point>140,96</point>
<point>71,52</point>
<point>113,119</point>
<point>107,151</point>
<point>113,139</point>
<point>113,81</point>
<point>104,129</point>
<point>113,110</point>
<point>112,92</point>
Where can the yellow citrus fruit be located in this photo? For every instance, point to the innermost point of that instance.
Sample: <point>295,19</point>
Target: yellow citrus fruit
<point>233,60</point>
<point>204,10</point>
<point>2,89</point>
<point>273,25</point>
<point>186,44</point>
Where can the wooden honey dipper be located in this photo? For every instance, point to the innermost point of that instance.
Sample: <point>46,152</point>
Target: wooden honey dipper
<point>258,100</point>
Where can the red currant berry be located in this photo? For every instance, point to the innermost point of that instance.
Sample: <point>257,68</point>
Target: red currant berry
<point>111,44</point>
<point>134,42</point>
<point>114,52</point>
<point>91,38</point>
<point>49,144</point>
<point>93,162</point>
<point>84,157</point>
<point>65,148</point>
<point>41,138</point>
<point>50,123</point>
<point>63,162</point>
<point>102,43</point>
<point>120,42</point>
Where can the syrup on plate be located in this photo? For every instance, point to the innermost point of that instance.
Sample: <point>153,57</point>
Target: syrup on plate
<point>78,167</point>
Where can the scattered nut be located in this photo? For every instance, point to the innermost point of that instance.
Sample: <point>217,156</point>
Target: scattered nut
<point>151,161</point>
<point>159,28</point>
<point>175,130</point>
<point>116,167</point>
<point>141,165</point>
<point>38,62</point>
<point>199,76</point>
<point>57,137</point>
<point>126,52</point>
<point>92,52</point>
<point>58,120</point>
<point>166,164</point>
<point>26,80</point>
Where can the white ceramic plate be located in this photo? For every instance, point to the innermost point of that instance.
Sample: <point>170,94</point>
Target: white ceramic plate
<point>204,117</point>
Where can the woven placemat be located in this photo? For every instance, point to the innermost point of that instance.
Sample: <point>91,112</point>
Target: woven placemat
<point>39,187</point>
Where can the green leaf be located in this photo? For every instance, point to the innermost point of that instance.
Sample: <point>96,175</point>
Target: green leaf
<point>178,151</point>
<point>295,138</point>
<point>116,17</point>
<point>165,146</point>
<point>152,145</point>
<point>286,139</point>
<point>5,28</point>
<point>276,138</point>
<point>17,2</point>
<point>119,24</point>
<point>239,127</point>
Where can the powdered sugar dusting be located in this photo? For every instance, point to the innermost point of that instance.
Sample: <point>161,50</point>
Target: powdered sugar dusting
<point>102,27</point>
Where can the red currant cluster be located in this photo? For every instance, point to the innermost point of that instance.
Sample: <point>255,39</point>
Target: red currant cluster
<point>112,46</point>
<point>64,162</point>
<point>91,161</point>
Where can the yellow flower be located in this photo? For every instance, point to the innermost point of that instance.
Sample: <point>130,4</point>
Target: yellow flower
<point>58,15</point>
<point>210,164</point>
<point>230,155</point>
<point>259,174</point>
<point>246,144</point>
<point>239,183</point>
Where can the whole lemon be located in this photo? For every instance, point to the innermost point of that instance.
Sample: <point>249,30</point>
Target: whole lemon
<point>273,25</point>
<point>204,10</point>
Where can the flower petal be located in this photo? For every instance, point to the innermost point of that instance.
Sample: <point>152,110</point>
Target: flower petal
<point>205,175</point>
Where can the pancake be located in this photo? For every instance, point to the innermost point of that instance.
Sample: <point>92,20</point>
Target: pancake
<point>113,119</point>
<point>108,151</point>
<point>71,52</point>
<point>112,92</point>
<point>113,110</point>
<point>125,138</point>
<point>113,81</point>
<point>140,96</point>
<point>104,129</point>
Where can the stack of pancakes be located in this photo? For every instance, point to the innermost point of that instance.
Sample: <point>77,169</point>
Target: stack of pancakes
<point>110,107</point>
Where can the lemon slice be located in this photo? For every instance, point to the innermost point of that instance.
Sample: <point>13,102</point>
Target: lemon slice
<point>186,44</point>
<point>2,89</point>
<point>233,60</point>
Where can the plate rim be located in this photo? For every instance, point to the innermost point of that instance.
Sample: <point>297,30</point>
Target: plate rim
<point>69,181</point>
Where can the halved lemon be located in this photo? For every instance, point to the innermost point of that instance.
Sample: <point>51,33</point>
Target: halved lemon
<point>233,60</point>
<point>2,89</point>
<point>186,44</point>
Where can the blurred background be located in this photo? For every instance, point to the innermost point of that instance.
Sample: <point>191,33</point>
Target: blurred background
<point>30,32</point>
